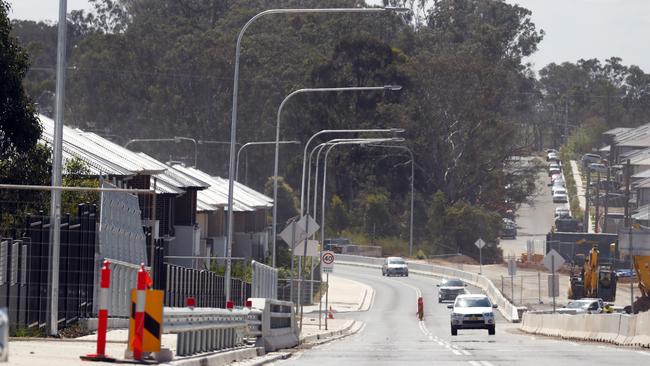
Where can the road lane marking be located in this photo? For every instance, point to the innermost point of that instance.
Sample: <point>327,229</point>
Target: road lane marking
<point>457,353</point>
<point>466,353</point>
<point>474,363</point>
<point>485,363</point>
<point>643,353</point>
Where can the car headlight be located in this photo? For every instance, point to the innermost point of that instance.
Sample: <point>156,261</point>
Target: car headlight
<point>488,315</point>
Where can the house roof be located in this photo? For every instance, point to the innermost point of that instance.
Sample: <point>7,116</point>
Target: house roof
<point>102,156</point>
<point>617,131</point>
<point>216,195</point>
<point>642,174</point>
<point>642,213</point>
<point>634,137</point>
<point>644,183</point>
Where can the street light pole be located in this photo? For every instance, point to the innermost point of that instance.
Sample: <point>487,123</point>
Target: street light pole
<point>277,146</point>
<point>256,143</point>
<point>57,167</point>
<point>233,123</point>
<point>196,147</point>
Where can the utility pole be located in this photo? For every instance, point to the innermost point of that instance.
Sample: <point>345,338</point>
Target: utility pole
<point>586,218</point>
<point>607,183</point>
<point>597,214</point>
<point>628,224</point>
<point>566,120</point>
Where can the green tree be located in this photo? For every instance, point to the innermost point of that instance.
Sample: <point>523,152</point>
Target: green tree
<point>337,216</point>
<point>77,174</point>
<point>287,202</point>
<point>19,127</point>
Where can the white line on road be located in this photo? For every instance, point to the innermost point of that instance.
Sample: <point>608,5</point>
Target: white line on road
<point>474,363</point>
<point>466,353</point>
<point>457,353</point>
<point>643,353</point>
<point>485,363</point>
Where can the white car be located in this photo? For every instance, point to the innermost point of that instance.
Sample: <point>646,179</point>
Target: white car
<point>583,306</point>
<point>394,266</point>
<point>552,156</point>
<point>562,212</point>
<point>560,196</point>
<point>472,312</point>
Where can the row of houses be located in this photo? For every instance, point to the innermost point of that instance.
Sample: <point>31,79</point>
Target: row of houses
<point>190,205</point>
<point>632,144</point>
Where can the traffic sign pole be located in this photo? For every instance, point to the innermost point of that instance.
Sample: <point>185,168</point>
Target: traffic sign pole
<point>553,278</point>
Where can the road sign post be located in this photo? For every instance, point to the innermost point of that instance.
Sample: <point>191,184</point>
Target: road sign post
<point>553,260</point>
<point>327,265</point>
<point>480,244</point>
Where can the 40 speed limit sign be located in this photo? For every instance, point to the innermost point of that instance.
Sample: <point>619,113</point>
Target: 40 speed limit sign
<point>327,261</point>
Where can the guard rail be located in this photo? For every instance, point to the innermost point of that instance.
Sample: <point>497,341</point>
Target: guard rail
<point>507,309</point>
<point>206,329</point>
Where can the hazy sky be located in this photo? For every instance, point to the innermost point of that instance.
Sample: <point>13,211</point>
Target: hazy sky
<point>574,28</point>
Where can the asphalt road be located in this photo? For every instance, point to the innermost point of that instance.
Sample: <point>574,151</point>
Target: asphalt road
<point>534,220</point>
<point>392,335</point>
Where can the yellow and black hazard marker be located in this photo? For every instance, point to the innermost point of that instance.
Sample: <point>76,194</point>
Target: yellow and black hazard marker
<point>153,317</point>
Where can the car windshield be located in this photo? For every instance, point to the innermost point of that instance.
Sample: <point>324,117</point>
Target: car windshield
<point>455,283</point>
<point>578,305</point>
<point>481,302</point>
<point>396,261</point>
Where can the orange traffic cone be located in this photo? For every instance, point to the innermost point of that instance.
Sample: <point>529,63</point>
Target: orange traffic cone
<point>330,313</point>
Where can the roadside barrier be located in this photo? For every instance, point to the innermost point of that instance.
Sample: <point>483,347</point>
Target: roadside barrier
<point>278,324</point>
<point>102,321</point>
<point>205,329</point>
<point>138,337</point>
<point>621,329</point>
<point>265,281</point>
<point>506,308</point>
<point>4,336</point>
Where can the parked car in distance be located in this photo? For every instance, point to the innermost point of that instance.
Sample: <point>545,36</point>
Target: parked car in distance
<point>557,187</point>
<point>590,158</point>
<point>472,312</point>
<point>567,224</point>
<point>560,196</point>
<point>508,229</point>
<point>625,272</point>
<point>331,242</point>
<point>598,168</point>
<point>583,306</point>
<point>394,266</point>
<point>450,288</point>
<point>562,212</point>
<point>555,165</point>
<point>552,156</point>
<point>553,171</point>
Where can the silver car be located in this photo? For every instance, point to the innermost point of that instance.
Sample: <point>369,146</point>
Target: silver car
<point>472,312</point>
<point>394,266</point>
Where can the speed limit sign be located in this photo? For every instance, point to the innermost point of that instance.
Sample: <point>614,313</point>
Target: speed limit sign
<point>327,261</point>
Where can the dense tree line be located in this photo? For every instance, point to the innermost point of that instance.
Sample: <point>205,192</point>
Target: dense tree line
<point>163,68</point>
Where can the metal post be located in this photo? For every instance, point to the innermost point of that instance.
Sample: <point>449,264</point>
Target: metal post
<point>502,284</point>
<point>632,267</point>
<point>553,280</point>
<point>327,293</point>
<point>521,291</point>
<point>609,173</point>
<point>586,218</point>
<point>539,287</point>
<point>597,205</point>
<point>512,288</point>
<point>480,256</point>
<point>57,162</point>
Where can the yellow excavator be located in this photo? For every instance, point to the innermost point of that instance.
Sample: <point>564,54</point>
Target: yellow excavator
<point>642,269</point>
<point>594,280</point>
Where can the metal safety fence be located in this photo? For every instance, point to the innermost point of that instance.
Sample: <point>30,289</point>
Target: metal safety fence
<point>48,281</point>
<point>265,281</point>
<point>205,287</point>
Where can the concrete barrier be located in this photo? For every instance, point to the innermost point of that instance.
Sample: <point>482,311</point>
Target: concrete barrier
<point>622,329</point>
